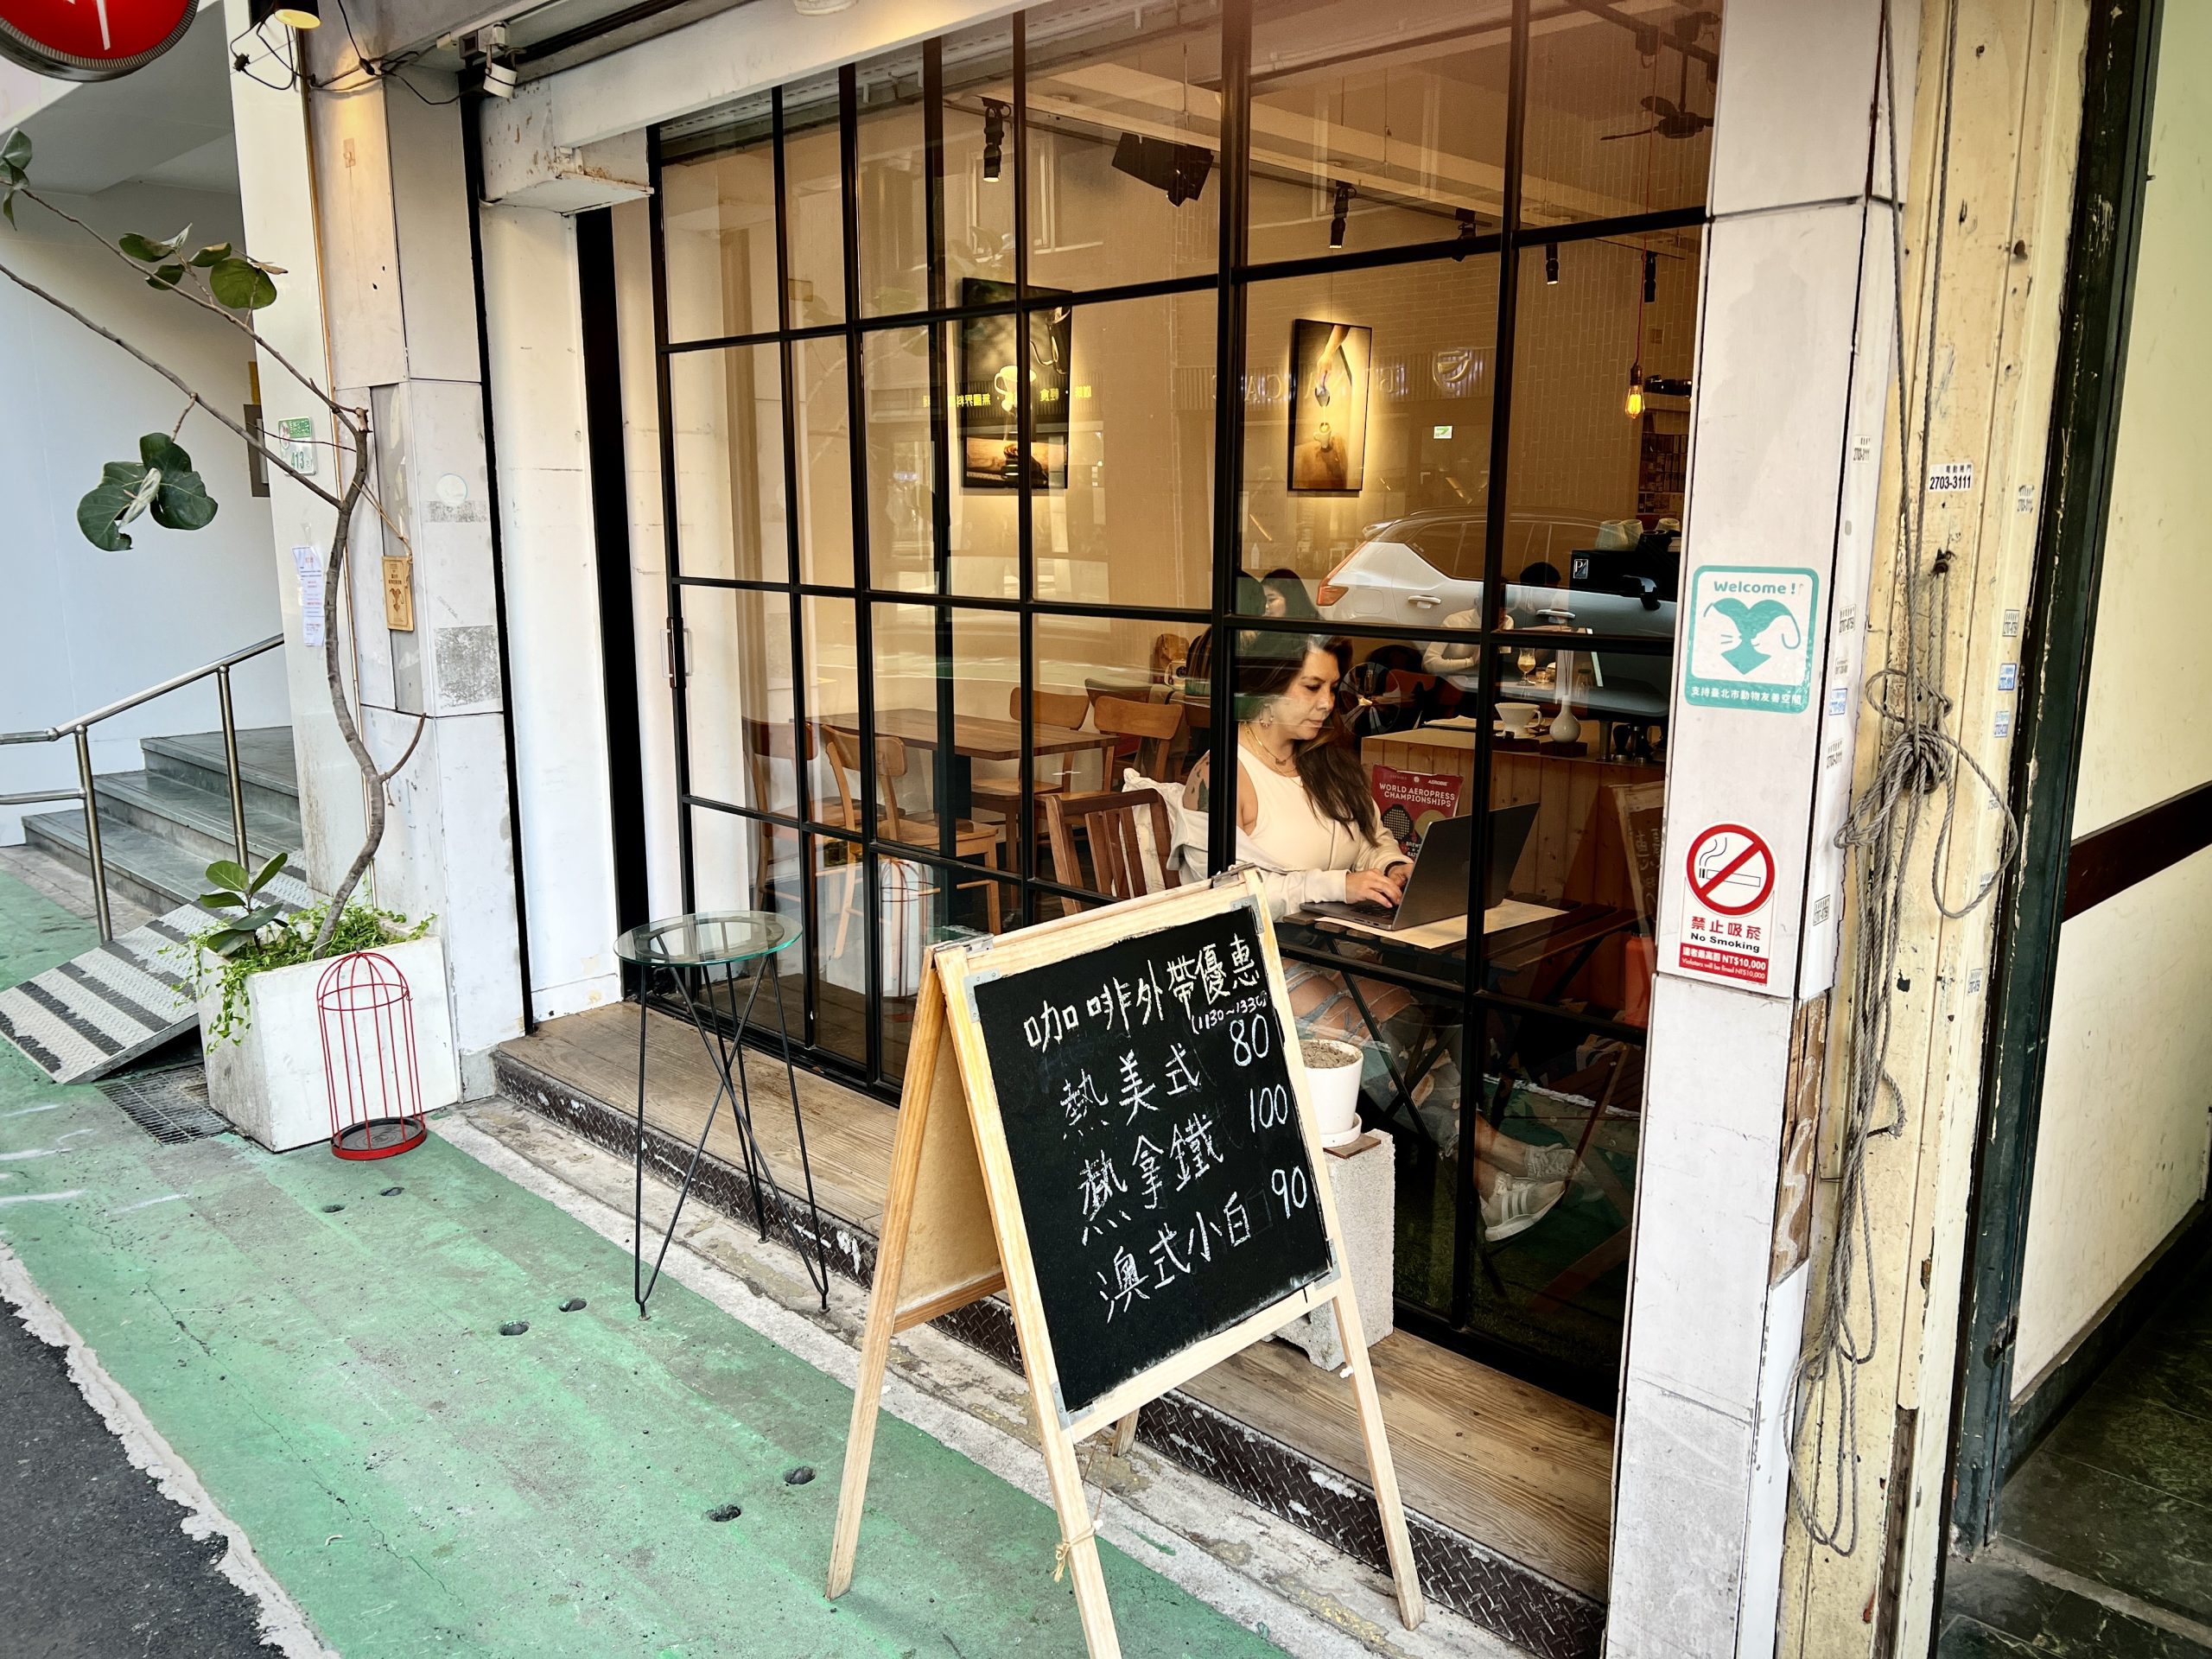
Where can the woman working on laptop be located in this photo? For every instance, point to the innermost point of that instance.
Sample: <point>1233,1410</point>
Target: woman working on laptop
<point>1305,815</point>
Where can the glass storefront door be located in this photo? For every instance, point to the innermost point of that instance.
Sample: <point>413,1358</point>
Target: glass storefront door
<point>964,534</point>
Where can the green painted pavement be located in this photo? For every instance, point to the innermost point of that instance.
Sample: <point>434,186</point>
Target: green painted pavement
<point>328,1360</point>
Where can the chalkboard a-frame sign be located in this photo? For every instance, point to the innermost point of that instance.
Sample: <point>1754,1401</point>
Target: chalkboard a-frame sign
<point>1105,1117</point>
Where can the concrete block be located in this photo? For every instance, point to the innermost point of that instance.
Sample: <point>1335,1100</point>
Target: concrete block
<point>267,1081</point>
<point>1367,1208</point>
<point>524,166</point>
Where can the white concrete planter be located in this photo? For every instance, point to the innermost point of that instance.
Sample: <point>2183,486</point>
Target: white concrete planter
<point>267,1081</point>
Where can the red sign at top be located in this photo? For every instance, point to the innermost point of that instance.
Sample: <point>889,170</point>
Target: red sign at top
<point>91,40</point>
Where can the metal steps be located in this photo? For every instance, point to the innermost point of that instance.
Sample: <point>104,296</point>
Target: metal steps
<point>161,828</point>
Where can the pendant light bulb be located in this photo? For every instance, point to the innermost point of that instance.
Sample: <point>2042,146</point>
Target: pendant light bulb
<point>1635,404</point>
<point>1551,264</point>
<point>1337,221</point>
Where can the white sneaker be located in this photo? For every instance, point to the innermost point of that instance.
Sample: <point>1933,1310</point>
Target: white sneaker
<point>1549,1163</point>
<point>1515,1205</point>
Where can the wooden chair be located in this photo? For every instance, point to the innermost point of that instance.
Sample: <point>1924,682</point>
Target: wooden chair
<point>1154,725</point>
<point>1109,819</point>
<point>769,744</point>
<point>970,840</point>
<point>1068,709</point>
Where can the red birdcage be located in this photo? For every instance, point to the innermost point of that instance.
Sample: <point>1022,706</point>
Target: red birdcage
<point>367,1017</point>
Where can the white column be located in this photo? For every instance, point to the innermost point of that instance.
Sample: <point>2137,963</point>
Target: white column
<point>1793,364</point>
<point>363,199</point>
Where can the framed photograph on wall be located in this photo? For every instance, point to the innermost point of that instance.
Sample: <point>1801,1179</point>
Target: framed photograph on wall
<point>1328,407</point>
<point>988,396</point>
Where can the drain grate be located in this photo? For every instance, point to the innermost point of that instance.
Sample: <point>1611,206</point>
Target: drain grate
<point>171,1105</point>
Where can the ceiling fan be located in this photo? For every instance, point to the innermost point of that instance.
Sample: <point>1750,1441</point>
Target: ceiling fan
<point>1672,121</point>
<point>1673,116</point>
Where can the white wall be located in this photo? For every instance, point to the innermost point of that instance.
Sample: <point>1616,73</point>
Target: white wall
<point>533,323</point>
<point>81,627</point>
<point>2121,1153</point>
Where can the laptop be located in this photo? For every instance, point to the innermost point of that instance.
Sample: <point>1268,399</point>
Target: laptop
<point>1437,888</point>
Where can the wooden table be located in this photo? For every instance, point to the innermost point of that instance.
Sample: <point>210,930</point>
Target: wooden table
<point>1514,942</point>
<point>975,737</point>
<point>1594,839</point>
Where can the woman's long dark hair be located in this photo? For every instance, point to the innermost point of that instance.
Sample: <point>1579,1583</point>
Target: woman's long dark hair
<point>1267,664</point>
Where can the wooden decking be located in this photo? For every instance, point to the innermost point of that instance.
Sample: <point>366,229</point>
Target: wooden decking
<point>1516,1469</point>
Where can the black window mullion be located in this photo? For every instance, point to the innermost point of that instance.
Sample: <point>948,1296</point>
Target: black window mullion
<point>672,560</point>
<point>941,761</point>
<point>1024,825</point>
<point>758,337</point>
<point>1228,429</point>
<point>849,144</point>
<point>802,779</point>
<point>1475,1024</point>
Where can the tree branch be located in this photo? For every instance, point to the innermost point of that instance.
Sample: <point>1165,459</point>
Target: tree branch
<point>422,724</point>
<point>199,299</point>
<point>173,378</point>
<point>334,590</point>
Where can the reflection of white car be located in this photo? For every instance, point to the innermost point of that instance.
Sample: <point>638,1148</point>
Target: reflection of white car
<point>1393,577</point>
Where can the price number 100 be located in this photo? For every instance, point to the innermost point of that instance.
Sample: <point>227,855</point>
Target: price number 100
<point>1270,1107</point>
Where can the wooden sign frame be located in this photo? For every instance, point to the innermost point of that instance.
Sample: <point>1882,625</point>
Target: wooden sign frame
<point>953,1234</point>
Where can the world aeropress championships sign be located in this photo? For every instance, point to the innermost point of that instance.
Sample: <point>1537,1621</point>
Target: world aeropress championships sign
<point>90,40</point>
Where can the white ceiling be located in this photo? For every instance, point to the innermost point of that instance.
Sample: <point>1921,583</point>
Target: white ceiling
<point>169,124</point>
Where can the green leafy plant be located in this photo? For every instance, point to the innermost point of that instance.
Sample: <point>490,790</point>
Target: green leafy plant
<point>235,897</point>
<point>160,484</point>
<point>252,934</point>
<point>285,943</point>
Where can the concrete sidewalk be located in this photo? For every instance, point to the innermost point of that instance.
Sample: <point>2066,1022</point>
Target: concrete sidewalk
<point>320,1342</point>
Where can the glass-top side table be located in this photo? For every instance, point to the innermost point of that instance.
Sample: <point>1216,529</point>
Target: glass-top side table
<point>704,956</point>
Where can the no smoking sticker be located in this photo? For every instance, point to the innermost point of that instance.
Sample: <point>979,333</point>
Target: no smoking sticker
<point>1726,898</point>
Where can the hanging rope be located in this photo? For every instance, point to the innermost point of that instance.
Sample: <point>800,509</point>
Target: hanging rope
<point>1918,758</point>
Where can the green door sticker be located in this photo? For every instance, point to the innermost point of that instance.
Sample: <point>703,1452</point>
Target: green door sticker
<point>1751,638</point>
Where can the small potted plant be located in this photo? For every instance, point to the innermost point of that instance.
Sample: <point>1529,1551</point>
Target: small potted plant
<point>255,971</point>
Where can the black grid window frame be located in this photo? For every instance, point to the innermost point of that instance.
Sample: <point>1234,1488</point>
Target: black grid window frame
<point>1037,896</point>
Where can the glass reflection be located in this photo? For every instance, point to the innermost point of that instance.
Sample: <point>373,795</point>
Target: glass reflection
<point>822,431</point>
<point>727,440</point>
<point>1366,436</point>
<point>890,192</point>
<point>978,120</point>
<point>718,229</point>
<point>1596,496</point>
<point>901,466</point>
<point>920,904</point>
<point>1620,112</point>
<point>1124,127</point>
<point>741,738</point>
<point>814,205</point>
<point>1377,126</point>
<point>741,863</point>
<point>1123,514</point>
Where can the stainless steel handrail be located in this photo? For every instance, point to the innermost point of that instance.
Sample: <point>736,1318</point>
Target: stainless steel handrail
<point>79,730</point>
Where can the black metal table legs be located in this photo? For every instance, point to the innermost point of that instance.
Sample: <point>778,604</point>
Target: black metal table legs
<point>726,1052</point>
